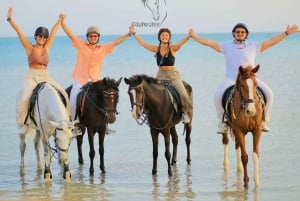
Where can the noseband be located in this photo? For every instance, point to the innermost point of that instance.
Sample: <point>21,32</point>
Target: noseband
<point>103,110</point>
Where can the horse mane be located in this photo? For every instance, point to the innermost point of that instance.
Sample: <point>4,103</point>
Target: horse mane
<point>106,82</point>
<point>148,79</point>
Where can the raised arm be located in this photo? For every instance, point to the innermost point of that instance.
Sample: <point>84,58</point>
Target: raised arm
<point>54,31</point>
<point>121,39</point>
<point>178,45</point>
<point>204,41</point>
<point>24,41</point>
<point>148,46</point>
<point>278,38</point>
<point>66,29</point>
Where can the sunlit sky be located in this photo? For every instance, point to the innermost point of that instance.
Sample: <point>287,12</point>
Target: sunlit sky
<point>115,16</point>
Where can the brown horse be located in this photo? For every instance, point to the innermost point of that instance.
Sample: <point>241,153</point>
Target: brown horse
<point>151,100</point>
<point>96,107</point>
<point>244,113</point>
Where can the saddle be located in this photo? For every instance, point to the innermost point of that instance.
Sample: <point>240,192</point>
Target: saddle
<point>174,96</point>
<point>34,97</point>
<point>227,98</point>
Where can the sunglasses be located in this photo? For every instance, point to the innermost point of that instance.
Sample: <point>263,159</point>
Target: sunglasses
<point>240,32</point>
<point>42,36</point>
<point>93,35</point>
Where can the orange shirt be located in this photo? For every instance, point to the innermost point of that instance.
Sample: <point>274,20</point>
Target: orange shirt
<point>89,61</point>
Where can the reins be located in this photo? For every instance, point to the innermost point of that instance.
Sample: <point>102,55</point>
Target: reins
<point>144,116</point>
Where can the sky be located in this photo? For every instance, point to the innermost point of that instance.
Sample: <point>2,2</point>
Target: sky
<point>115,16</point>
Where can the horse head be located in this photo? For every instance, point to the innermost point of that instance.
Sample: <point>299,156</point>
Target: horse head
<point>108,95</point>
<point>246,85</point>
<point>63,136</point>
<point>136,95</point>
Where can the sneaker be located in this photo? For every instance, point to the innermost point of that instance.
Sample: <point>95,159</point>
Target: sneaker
<point>109,131</point>
<point>185,118</point>
<point>265,127</point>
<point>222,128</point>
<point>23,129</point>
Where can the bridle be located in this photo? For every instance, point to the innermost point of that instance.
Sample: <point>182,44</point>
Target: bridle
<point>103,109</point>
<point>144,118</point>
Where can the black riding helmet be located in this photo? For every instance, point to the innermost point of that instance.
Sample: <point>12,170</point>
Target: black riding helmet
<point>41,31</point>
<point>240,25</point>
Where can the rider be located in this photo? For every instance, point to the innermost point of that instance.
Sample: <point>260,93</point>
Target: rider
<point>240,52</point>
<point>90,56</point>
<point>165,58</point>
<point>38,60</point>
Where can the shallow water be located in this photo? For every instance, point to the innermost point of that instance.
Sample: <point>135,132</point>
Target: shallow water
<point>128,153</point>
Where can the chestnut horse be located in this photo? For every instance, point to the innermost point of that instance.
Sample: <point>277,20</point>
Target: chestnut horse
<point>244,114</point>
<point>151,100</point>
<point>96,107</point>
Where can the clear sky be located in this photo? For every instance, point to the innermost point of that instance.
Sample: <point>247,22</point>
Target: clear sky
<point>115,16</point>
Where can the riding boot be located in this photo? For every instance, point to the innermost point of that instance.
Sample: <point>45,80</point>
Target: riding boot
<point>265,127</point>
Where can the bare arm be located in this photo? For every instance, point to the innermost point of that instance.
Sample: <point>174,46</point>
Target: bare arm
<point>66,29</point>
<point>278,38</point>
<point>148,46</point>
<point>121,39</point>
<point>178,45</point>
<point>204,41</point>
<point>24,41</point>
<point>53,32</point>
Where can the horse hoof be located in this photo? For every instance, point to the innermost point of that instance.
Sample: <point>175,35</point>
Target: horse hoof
<point>48,177</point>
<point>67,176</point>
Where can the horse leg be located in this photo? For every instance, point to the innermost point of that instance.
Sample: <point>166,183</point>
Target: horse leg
<point>22,150</point>
<point>188,128</point>
<point>66,173</point>
<point>167,150</point>
<point>47,172</point>
<point>37,145</point>
<point>175,143</point>
<point>154,136</point>
<point>256,140</point>
<point>79,140</point>
<point>240,142</point>
<point>92,150</point>
<point>101,150</point>
<point>225,142</point>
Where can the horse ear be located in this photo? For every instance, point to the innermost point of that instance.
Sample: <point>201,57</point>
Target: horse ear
<point>126,80</point>
<point>241,69</point>
<point>254,70</point>
<point>119,81</point>
<point>55,124</point>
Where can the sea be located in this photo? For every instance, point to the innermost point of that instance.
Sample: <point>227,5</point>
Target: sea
<point>128,152</point>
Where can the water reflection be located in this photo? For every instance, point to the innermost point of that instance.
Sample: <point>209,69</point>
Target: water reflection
<point>175,188</point>
<point>237,192</point>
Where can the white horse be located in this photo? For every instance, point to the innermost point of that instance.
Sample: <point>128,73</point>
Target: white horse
<point>50,118</point>
<point>157,8</point>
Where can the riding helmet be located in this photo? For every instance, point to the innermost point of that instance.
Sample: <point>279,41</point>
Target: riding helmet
<point>240,25</point>
<point>41,31</point>
<point>92,29</point>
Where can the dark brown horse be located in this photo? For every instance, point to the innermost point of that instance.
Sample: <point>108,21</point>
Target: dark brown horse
<point>96,107</point>
<point>245,114</point>
<point>150,100</point>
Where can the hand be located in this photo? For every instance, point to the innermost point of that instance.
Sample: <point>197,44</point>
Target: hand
<point>191,32</point>
<point>131,30</point>
<point>9,12</point>
<point>291,29</point>
<point>62,17</point>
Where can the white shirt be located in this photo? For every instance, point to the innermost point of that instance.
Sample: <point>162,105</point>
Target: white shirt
<point>238,54</point>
